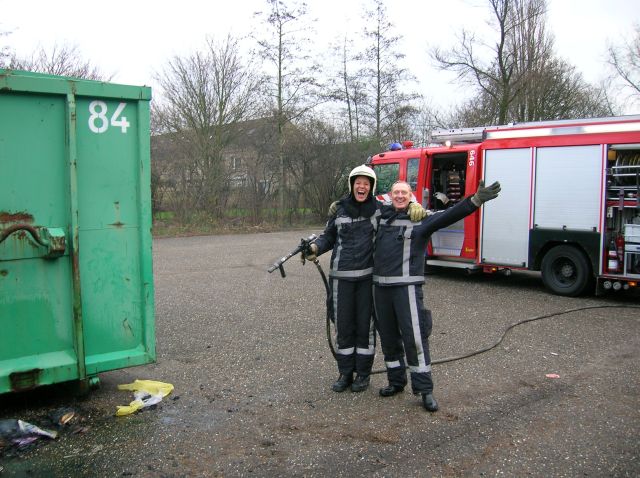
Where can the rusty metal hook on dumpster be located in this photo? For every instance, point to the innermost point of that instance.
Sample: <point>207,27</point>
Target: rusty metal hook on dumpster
<point>23,227</point>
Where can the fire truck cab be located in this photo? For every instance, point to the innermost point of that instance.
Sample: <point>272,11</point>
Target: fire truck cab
<point>569,205</point>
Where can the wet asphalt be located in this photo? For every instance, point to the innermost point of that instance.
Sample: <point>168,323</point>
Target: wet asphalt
<point>248,356</point>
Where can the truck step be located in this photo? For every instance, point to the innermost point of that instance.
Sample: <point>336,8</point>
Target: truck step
<point>456,264</point>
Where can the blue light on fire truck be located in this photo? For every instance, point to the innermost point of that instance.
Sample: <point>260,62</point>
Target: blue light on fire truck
<point>395,147</point>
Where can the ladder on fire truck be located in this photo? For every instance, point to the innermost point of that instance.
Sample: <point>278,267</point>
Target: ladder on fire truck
<point>537,128</point>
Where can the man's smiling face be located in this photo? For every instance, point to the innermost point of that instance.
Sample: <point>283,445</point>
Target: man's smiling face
<point>400,195</point>
<point>361,188</point>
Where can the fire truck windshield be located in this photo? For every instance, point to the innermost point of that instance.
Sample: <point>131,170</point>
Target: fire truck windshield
<point>386,175</point>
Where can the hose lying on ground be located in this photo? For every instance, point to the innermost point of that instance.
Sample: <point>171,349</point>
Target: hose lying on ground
<point>479,351</point>
<point>524,321</point>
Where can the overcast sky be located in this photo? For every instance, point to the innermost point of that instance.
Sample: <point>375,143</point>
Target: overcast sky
<point>134,38</point>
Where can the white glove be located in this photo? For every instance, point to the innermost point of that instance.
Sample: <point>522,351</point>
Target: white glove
<point>442,197</point>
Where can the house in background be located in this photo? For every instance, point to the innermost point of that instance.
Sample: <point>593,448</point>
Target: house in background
<point>239,165</point>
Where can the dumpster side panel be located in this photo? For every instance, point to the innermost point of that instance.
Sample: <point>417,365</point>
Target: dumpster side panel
<point>76,280</point>
<point>36,342</point>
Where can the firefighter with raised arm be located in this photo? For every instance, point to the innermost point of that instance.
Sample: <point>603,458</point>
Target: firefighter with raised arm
<point>350,233</point>
<point>403,322</point>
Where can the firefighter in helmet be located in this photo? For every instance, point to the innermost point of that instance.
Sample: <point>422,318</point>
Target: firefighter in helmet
<point>350,234</point>
<point>403,322</point>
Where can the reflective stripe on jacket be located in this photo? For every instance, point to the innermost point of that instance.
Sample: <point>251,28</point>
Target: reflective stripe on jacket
<point>401,244</point>
<point>352,242</point>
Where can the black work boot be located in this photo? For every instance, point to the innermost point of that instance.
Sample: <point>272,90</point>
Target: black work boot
<point>429,402</point>
<point>342,383</point>
<point>390,390</point>
<point>360,384</point>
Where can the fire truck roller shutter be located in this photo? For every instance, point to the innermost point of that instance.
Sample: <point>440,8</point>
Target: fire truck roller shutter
<point>504,231</point>
<point>568,188</point>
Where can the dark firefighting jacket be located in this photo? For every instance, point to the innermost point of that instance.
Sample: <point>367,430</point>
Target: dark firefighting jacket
<point>351,234</point>
<point>400,244</point>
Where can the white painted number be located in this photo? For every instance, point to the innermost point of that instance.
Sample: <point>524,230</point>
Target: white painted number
<point>98,122</point>
<point>98,110</point>
<point>122,122</point>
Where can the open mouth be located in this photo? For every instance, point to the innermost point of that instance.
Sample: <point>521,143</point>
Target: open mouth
<point>361,195</point>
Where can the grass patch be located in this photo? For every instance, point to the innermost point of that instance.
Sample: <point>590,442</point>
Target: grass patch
<point>166,224</point>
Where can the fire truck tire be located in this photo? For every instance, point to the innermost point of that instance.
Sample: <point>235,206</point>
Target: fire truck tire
<point>566,271</point>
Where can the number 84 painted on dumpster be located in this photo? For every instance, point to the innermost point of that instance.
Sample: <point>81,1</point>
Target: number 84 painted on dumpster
<point>98,122</point>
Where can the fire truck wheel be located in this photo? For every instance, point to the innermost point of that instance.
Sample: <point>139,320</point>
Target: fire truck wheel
<point>566,271</point>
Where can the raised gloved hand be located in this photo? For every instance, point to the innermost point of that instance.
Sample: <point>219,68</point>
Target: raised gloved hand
<point>311,254</point>
<point>441,197</point>
<point>484,194</point>
<point>333,208</point>
<point>416,212</point>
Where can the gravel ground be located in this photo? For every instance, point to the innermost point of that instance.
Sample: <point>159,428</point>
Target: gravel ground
<point>247,354</point>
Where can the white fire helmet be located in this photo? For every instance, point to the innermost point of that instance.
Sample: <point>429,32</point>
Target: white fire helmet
<point>363,171</point>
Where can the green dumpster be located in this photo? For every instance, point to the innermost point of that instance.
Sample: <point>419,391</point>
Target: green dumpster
<point>76,279</point>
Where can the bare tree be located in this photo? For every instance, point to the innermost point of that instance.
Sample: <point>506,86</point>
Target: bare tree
<point>625,60</point>
<point>348,88</point>
<point>524,80</point>
<point>558,91</point>
<point>530,52</point>
<point>65,60</point>
<point>479,110</point>
<point>563,96</point>
<point>353,94</point>
<point>261,176</point>
<point>254,172</point>
<point>203,96</point>
<point>423,120</point>
<point>292,83</point>
<point>327,162</point>
<point>388,103</point>
<point>553,88</point>
<point>499,79</point>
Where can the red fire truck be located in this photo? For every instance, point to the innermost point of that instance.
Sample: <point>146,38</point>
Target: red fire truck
<point>569,205</point>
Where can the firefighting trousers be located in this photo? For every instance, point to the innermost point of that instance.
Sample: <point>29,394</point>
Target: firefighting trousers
<point>404,326</point>
<point>350,304</point>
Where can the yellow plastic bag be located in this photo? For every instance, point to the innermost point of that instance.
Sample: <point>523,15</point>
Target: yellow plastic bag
<point>147,393</point>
